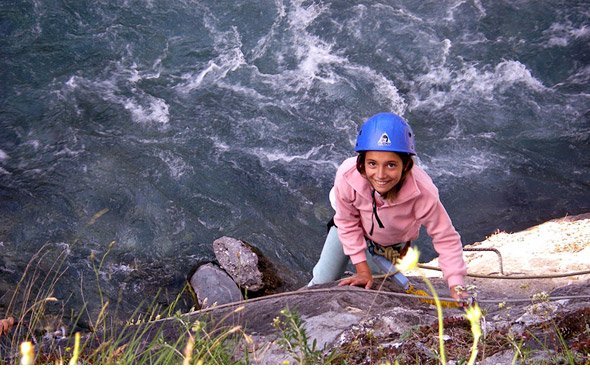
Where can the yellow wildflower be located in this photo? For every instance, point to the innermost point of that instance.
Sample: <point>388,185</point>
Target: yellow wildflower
<point>409,261</point>
<point>27,351</point>
<point>76,353</point>
<point>473,314</point>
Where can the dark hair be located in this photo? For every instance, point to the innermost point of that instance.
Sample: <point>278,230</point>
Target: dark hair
<point>407,162</point>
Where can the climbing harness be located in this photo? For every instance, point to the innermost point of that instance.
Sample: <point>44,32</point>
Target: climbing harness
<point>387,256</point>
<point>391,252</point>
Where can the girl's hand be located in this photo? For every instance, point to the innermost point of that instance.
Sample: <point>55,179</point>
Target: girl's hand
<point>459,293</point>
<point>5,325</point>
<point>363,277</point>
<point>358,280</point>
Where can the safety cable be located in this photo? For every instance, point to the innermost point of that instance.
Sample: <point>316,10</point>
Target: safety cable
<point>555,275</point>
<point>405,295</point>
<point>501,272</point>
<point>389,293</point>
<point>420,297</point>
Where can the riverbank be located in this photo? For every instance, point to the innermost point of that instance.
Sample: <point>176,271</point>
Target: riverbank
<point>536,310</point>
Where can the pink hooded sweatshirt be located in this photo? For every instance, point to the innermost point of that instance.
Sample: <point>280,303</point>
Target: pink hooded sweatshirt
<point>417,204</point>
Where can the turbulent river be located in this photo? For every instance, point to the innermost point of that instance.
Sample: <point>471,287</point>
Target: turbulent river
<point>162,125</point>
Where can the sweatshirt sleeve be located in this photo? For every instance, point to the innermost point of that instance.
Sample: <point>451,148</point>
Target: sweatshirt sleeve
<point>347,219</point>
<point>445,239</point>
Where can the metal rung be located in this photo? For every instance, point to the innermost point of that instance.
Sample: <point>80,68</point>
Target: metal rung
<point>489,250</point>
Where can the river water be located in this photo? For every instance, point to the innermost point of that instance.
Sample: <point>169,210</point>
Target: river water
<point>163,125</point>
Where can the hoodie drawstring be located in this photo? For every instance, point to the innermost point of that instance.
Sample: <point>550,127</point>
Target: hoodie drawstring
<point>375,215</point>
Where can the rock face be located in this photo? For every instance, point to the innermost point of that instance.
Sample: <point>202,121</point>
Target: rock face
<point>212,286</point>
<point>386,324</point>
<point>341,316</point>
<point>245,264</point>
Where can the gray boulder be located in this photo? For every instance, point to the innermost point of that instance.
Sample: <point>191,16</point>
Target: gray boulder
<point>246,265</point>
<point>212,286</point>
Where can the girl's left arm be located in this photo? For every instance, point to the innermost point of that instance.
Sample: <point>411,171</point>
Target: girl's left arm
<point>445,239</point>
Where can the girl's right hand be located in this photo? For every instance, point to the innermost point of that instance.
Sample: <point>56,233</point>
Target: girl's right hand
<point>363,277</point>
<point>458,293</point>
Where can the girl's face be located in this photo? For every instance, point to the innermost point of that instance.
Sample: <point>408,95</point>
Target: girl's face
<point>383,169</point>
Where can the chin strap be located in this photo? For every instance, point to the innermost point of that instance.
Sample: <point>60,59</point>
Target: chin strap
<point>375,215</point>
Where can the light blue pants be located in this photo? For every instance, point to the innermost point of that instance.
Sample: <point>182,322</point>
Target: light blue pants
<point>333,262</point>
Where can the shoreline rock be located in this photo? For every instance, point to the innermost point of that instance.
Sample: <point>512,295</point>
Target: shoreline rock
<point>213,286</point>
<point>337,316</point>
<point>240,266</point>
<point>344,317</point>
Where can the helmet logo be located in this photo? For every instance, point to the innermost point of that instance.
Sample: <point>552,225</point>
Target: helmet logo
<point>384,140</point>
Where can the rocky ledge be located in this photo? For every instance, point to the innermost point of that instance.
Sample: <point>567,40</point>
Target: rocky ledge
<point>533,291</point>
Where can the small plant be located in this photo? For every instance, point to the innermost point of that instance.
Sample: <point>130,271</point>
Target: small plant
<point>31,297</point>
<point>410,262</point>
<point>151,336</point>
<point>293,339</point>
<point>473,314</point>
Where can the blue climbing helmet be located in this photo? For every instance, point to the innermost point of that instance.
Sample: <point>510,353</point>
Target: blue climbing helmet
<point>386,132</point>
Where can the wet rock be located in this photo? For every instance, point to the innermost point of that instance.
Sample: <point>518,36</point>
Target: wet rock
<point>213,286</point>
<point>246,265</point>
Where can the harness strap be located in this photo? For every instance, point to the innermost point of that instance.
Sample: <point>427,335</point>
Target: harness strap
<point>390,252</point>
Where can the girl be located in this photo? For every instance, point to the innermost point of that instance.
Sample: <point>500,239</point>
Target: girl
<point>381,199</point>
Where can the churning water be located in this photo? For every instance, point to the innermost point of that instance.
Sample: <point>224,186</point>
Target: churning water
<point>165,124</point>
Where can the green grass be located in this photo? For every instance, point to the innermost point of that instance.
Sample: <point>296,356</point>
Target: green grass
<point>164,336</point>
